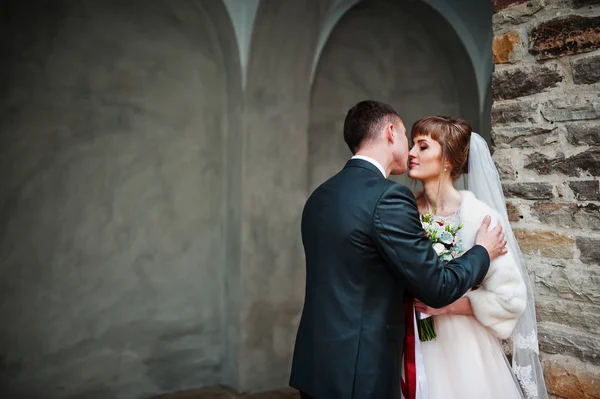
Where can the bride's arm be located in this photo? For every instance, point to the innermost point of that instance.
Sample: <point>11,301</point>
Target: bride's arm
<point>497,304</point>
<point>461,307</point>
<point>501,299</point>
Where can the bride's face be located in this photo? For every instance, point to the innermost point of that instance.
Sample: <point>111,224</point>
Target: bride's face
<point>425,159</point>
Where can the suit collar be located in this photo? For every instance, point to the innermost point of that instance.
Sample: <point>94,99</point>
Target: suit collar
<point>372,161</point>
<point>361,163</point>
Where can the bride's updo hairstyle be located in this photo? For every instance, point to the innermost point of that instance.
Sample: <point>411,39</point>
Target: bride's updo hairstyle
<point>453,134</point>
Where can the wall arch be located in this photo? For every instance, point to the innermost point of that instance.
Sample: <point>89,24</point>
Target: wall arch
<point>405,54</point>
<point>466,20</point>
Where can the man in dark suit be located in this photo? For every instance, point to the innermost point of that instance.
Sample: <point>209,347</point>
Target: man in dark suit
<point>365,250</point>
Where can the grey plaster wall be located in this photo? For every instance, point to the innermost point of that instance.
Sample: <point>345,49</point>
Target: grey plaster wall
<point>114,190</point>
<point>274,188</point>
<point>393,53</point>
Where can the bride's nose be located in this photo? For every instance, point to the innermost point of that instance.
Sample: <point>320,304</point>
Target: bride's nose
<point>411,153</point>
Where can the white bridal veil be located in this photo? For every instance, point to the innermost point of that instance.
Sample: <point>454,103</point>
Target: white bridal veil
<point>484,182</point>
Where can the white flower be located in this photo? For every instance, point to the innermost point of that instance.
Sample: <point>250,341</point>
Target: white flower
<point>446,237</point>
<point>426,226</point>
<point>439,248</point>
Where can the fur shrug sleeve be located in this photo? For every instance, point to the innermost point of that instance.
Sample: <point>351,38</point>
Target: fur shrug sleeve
<point>501,298</point>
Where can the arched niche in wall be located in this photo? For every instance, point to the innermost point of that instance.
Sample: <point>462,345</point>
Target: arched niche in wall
<point>402,53</point>
<point>116,132</point>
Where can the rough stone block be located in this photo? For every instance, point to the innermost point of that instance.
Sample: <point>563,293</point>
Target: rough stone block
<point>572,108</point>
<point>583,3</point>
<point>502,4</point>
<point>578,315</point>
<point>523,81</point>
<point>559,338</point>
<point>579,283</point>
<point>568,215</point>
<point>587,161</point>
<point>586,190</point>
<point>570,378</point>
<point>589,249</point>
<point>586,70</point>
<point>517,12</point>
<point>505,169</point>
<point>568,35</point>
<point>507,48</point>
<point>514,213</point>
<point>540,162</point>
<point>530,191</point>
<point>545,243</point>
<point>513,112</point>
<point>504,165</point>
<point>583,133</point>
<point>524,136</point>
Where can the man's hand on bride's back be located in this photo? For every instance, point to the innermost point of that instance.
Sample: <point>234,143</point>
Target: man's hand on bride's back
<point>493,240</point>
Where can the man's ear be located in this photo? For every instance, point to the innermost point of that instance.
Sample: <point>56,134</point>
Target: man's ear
<point>390,133</point>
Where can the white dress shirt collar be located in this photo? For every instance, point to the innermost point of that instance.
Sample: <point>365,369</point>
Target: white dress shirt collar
<point>374,162</point>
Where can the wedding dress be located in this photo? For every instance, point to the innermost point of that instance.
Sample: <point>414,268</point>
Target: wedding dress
<point>466,360</point>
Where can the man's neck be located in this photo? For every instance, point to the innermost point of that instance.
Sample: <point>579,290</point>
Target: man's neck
<point>375,156</point>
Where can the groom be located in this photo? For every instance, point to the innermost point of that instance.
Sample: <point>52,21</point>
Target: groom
<point>365,250</point>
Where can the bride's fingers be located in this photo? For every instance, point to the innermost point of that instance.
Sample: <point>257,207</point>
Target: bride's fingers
<point>421,308</point>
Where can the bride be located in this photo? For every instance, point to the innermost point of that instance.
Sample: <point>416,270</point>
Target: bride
<point>466,359</point>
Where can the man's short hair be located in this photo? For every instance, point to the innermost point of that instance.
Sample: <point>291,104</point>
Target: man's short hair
<point>362,122</point>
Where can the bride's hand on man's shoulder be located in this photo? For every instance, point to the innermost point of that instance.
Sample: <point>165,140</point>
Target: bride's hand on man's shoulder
<point>492,240</point>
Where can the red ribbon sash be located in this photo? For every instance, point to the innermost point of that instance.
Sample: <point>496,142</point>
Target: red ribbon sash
<point>409,387</point>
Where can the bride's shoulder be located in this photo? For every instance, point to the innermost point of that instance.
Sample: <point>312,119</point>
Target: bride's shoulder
<point>473,208</point>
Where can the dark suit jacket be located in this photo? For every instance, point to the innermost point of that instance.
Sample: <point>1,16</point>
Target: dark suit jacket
<point>365,247</point>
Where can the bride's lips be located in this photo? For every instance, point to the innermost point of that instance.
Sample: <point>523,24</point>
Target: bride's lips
<point>412,164</point>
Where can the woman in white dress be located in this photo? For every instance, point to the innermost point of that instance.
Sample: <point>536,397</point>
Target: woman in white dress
<point>466,359</point>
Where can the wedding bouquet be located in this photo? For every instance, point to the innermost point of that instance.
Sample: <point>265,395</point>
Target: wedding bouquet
<point>445,242</point>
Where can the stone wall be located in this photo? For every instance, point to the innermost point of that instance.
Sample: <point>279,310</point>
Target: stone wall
<point>546,136</point>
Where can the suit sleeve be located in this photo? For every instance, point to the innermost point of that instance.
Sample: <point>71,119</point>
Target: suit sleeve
<point>502,297</point>
<point>399,236</point>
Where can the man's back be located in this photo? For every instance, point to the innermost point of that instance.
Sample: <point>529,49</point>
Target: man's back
<point>350,293</point>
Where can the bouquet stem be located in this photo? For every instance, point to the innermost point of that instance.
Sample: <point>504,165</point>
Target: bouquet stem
<point>426,329</point>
